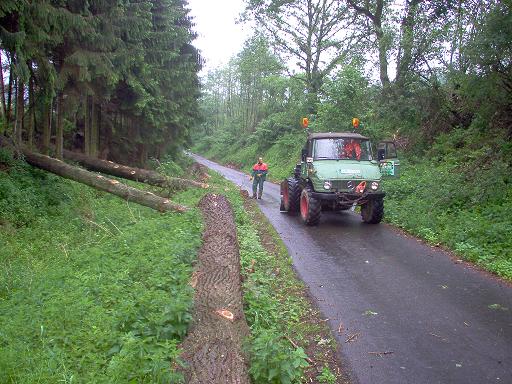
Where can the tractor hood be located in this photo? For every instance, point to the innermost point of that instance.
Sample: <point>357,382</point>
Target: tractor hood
<point>346,170</point>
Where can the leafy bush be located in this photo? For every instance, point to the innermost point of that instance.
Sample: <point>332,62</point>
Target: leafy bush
<point>462,200</point>
<point>326,376</point>
<point>274,360</point>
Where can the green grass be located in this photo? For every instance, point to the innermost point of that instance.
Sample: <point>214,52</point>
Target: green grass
<point>92,289</point>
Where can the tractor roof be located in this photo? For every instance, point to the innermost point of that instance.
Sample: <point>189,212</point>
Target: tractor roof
<point>335,135</point>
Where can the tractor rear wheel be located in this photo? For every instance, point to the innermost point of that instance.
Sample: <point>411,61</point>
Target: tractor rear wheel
<point>310,208</point>
<point>291,195</point>
<point>372,211</point>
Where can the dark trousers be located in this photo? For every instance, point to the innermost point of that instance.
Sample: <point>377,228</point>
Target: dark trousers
<point>257,181</point>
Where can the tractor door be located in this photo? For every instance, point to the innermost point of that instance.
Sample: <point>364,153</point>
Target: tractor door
<point>389,163</point>
<point>305,157</point>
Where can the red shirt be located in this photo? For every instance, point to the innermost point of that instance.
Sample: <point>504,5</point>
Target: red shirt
<point>350,148</point>
<point>260,167</point>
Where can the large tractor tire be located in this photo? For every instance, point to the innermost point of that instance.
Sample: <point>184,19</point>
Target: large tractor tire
<point>372,212</point>
<point>310,208</point>
<point>291,196</point>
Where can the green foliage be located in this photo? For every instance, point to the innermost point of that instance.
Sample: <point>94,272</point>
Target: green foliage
<point>274,360</point>
<point>92,289</point>
<point>459,199</point>
<point>326,376</point>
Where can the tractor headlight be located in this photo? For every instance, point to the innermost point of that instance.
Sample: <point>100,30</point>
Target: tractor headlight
<point>327,185</point>
<point>374,186</point>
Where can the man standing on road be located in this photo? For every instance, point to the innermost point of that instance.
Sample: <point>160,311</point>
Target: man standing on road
<point>258,174</point>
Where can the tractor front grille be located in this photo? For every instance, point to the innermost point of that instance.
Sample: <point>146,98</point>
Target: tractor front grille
<point>343,185</point>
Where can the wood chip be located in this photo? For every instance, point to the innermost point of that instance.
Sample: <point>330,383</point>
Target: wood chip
<point>226,314</point>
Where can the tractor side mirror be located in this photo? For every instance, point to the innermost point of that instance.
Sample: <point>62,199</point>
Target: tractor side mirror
<point>304,153</point>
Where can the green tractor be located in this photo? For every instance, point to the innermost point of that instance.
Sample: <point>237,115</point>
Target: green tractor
<point>339,172</point>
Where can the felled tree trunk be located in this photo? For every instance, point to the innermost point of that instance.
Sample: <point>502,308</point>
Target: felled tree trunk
<point>137,174</point>
<point>102,183</point>
<point>213,348</point>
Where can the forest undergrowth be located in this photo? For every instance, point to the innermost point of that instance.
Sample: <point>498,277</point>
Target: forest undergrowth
<point>92,288</point>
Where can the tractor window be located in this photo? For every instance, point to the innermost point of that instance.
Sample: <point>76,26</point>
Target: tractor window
<point>386,150</point>
<point>341,148</point>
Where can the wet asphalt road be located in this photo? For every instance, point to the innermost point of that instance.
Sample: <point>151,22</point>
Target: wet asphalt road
<point>443,321</point>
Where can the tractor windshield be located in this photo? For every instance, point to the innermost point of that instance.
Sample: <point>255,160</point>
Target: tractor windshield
<point>342,148</point>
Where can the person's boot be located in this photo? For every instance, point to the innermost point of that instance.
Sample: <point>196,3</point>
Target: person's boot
<point>259,195</point>
<point>254,195</point>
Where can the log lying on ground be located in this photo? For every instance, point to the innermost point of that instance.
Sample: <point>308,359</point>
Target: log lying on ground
<point>213,347</point>
<point>102,183</point>
<point>137,174</point>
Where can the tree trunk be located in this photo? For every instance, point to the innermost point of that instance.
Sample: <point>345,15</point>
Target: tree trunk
<point>2,90</point>
<point>136,174</point>
<point>102,183</point>
<point>383,60</point>
<point>87,126</point>
<point>94,129</point>
<point>8,113</point>
<point>405,59</point>
<point>20,111</point>
<point>47,129</point>
<point>213,347</point>
<point>31,113</point>
<point>59,142</point>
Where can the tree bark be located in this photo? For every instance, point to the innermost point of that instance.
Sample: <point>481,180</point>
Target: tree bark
<point>2,90</point>
<point>213,347</point>
<point>20,111</point>
<point>8,113</point>
<point>31,113</point>
<point>136,174</point>
<point>376,21</point>
<point>94,129</point>
<point>102,183</point>
<point>87,126</point>
<point>59,142</point>
<point>47,129</point>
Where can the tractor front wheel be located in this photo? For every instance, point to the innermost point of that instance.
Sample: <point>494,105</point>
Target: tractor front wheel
<point>372,211</point>
<point>310,208</point>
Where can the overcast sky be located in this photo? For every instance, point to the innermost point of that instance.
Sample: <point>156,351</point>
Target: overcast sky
<point>219,37</point>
